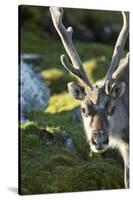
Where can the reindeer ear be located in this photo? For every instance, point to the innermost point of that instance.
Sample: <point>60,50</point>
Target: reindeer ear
<point>76,90</point>
<point>118,90</point>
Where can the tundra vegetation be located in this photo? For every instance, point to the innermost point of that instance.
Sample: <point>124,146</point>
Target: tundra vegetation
<point>46,165</point>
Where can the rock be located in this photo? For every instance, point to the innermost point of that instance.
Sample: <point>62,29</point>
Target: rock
<point>30,58</point>
<point>34,60</point>
<point>34,93</point>
<point>67,141</point>
<point>69,144</point>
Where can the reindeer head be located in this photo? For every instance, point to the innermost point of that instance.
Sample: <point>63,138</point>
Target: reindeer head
<point>97,102</point>
<point>96,108</point>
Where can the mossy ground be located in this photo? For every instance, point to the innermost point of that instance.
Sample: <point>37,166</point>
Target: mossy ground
<point>46,166</point>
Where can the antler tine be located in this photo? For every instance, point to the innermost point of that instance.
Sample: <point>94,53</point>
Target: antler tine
<point>120,70</point>
<point>120,43</point>
<point>66,37</point>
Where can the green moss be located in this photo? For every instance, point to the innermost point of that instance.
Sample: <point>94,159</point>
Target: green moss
<point>47,167</point>
<point>61,102</point>
<point>53,169</point>
<point>96,68</point>
<point>52,74</point>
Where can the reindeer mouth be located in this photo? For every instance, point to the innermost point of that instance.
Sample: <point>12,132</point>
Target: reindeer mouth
<point>100,149</point>
<point>99,142</point>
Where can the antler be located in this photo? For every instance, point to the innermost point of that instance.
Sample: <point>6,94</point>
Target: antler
<point>66,37</point>
<point>120,43</point>
<point>120,70</point>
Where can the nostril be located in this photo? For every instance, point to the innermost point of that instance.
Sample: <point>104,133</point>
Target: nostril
<point>106,141</point>
<point>99,139</point>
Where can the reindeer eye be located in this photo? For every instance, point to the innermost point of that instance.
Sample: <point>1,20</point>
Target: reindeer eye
<point>77,92</point>
<point>83,110</point>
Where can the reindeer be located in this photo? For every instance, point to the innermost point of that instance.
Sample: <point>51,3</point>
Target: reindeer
<point>104,105</point>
